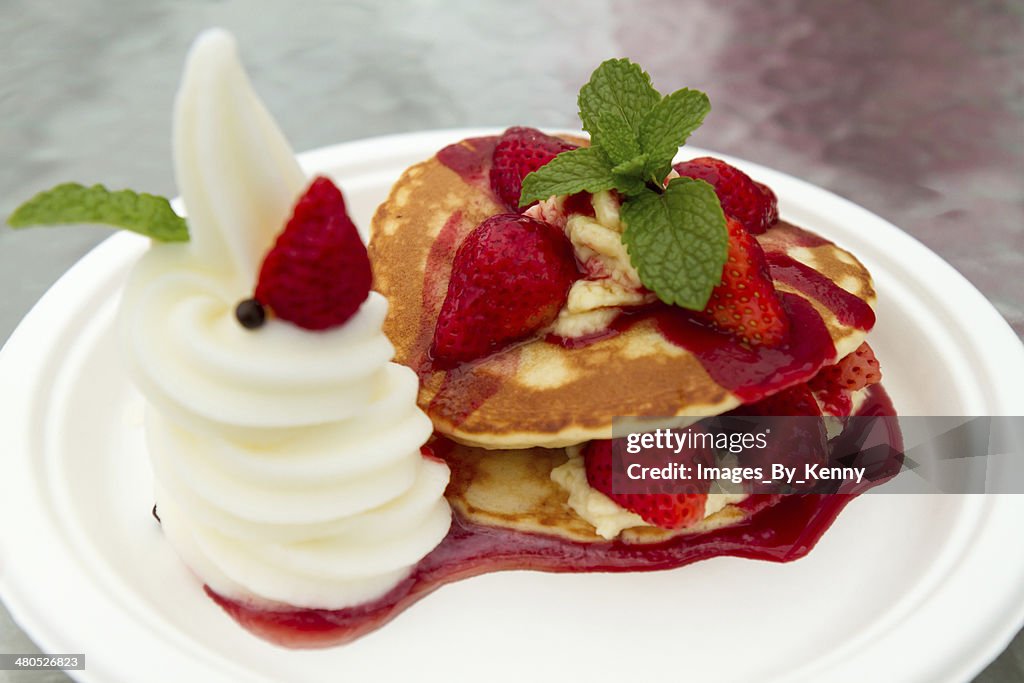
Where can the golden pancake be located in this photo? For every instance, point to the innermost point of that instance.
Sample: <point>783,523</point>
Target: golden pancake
<point>543,394</point>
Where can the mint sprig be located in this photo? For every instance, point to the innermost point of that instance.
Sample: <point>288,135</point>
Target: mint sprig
<point>70,203</point>
<point>675,235</point>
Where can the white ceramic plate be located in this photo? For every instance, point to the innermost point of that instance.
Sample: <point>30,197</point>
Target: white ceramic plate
<point>902,588</point>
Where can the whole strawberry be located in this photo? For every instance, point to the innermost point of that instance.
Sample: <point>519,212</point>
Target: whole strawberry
<point>662,508</point>
<point>317,274</point>
<point>748,201</point>
<point>745,302</point>
<point>521,151</point>
<point>510,277</point>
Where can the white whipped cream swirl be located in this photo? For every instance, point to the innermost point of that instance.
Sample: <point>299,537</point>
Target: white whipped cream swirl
<point>287,462</point>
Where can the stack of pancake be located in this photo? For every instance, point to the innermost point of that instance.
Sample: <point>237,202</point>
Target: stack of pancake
<point>507,419</point>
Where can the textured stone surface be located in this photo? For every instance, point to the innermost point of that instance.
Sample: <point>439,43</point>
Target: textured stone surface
<point>913,110</point>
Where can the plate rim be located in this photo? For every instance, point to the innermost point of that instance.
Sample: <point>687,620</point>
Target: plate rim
<point>119,248</point>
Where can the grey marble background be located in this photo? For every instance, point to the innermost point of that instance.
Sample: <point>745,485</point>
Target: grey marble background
<point>914,110</point>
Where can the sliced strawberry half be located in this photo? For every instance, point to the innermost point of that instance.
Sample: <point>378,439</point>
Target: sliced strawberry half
<point>754,205</point>
<point>510,277</point>
<point>833,385</point>
<point>853,372</point>
<point>317,274</point>
<point>662,508</point>
<point>745,303</point>
<point>521,151</point>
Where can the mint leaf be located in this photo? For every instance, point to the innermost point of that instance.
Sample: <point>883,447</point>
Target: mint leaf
<point>629,178</point>
<point>667,126</point>
<point>629,185</point>
<point>145,214</point>
<point>633,167</point>
<point>677,241</point>
<point>613,103</point>
<point>614,135</point>
<point>583,168</point>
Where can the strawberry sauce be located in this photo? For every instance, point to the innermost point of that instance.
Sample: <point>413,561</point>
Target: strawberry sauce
<point>461,392</point>
<point>471,159</point>
<point>781,529</point>
<point>848,309</point>
<point>753,372</point>
<point>435,284</point>
<point>750,372</point>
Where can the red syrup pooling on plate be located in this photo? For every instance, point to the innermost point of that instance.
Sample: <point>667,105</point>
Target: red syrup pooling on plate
<point>781,528</point>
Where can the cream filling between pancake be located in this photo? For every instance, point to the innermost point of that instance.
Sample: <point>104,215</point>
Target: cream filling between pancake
<point>607,517</point>
<point>611,283</point>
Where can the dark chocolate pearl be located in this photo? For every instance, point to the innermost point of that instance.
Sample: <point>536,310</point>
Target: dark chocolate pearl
<point>250,314</point>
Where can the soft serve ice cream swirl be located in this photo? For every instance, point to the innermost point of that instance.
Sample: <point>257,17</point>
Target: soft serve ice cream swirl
<point>287,462</point>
